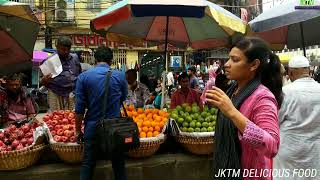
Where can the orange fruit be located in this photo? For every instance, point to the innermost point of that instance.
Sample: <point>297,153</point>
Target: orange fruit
<point>134,113</point>
<point>145,129</point>
<point>155,133</point>
<point>146,123</point>
<point>139,129</point>
<point>153,124</point>
<point>149,116</point>
<point>150,128</point>
<point>143,135</point>
<point>147,111</point>
<point>157,128</point>
<point>140,111</point>
<point>155,111</point>
<point>158,119</point>
<point>161,124</point>
<point>149,134</point>
<point>139,124</point>
<point>131,107</point>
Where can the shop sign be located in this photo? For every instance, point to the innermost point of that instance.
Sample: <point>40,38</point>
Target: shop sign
<point>95,40</point>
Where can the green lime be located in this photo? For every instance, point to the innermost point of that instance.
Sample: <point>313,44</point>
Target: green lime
<point>197,130</point>
<point>204,129</point>
<point>185,124</point>
<point>205,124</point>
<point>210,129</point>
<point>198,124</point>
<point>184,129</point>
<point>192,124</point>
<point>190,129</point>
<point>180,120</point>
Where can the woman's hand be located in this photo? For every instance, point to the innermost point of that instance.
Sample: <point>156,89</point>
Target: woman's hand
<point>219,99</point>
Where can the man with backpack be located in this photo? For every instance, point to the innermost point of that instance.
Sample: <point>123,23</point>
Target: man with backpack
<point>90,91</point>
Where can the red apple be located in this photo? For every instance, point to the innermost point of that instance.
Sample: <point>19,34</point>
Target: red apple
<point>64,139</point>
<point>57,127</point>
<point>30,141</point>
<point>65,127</point>
<point>50,127</point>
<point>9,148</point>
<point>15,143</point>
<point>57,138</point>
<point>24,141</point>
<point>29,135</point>
<point>12,127</point>
<point>46,118</point>
<point>19,147</point>
<point>72,139</point>
<point>53,132</point>
<point>71,116</point>
<point>54,122</point>
<point>65,121</point>
<point>20,134</point>
<point>7,132</point>
<point>60,132</point>
<point>49,122</point>
<point>26,128</point>
<point>2,144</point>
<point>1,135</point>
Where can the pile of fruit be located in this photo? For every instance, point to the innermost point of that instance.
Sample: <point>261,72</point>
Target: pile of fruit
<point>150,121</point>
<point>14,138</point>
<point>62,125</point>
<point>194,119</point>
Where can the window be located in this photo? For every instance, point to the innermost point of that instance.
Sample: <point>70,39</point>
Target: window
<point>94,5</point>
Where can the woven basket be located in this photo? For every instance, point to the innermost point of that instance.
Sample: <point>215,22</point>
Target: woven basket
<point>146,149</point>
<point>197,145</point>
<point>68,154</point>
<point>15,160</point>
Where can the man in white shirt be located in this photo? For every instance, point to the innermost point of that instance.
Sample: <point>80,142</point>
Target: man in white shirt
<point>299,120</point>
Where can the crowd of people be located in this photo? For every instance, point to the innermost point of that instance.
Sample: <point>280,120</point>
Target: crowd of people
<point>268,115</point>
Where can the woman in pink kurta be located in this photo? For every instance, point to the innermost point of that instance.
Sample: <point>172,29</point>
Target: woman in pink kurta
<point>247,130</point>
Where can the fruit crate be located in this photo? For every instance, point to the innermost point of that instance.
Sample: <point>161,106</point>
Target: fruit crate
<point>68,153</point>
<point>20,159</point>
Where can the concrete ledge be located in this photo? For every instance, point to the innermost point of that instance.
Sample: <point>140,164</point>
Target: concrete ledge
<point>157,167</point>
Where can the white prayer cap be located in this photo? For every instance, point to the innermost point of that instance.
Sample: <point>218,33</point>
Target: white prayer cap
<point>299,62</point>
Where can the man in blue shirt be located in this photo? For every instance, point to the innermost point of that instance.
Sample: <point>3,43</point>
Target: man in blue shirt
<point>90,89</point>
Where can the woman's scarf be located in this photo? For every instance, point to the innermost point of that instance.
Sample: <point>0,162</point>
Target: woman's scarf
<point>227,147</point>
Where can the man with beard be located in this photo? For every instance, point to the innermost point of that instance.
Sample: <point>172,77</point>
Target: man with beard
<point>19,104</point>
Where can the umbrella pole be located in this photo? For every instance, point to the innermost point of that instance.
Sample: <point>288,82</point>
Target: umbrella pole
<point>302,40</point>
<point>166,63</point>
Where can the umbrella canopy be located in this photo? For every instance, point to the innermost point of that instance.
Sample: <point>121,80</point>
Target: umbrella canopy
<point>287,25</point>
<point>199,24</point>
<point>18,29</point>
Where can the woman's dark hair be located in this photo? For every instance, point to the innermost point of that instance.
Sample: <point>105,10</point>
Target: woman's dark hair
<point>182,76</point>
<point>103,54</point>
<point>270,66</point>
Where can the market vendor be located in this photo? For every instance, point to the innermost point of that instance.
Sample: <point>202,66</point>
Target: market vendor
<point>185,94</point>
<point>138,93</point>
<point>20,105</point>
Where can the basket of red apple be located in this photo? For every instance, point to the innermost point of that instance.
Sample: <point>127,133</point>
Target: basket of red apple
<point>20,147</point>
<point>61,125</point>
